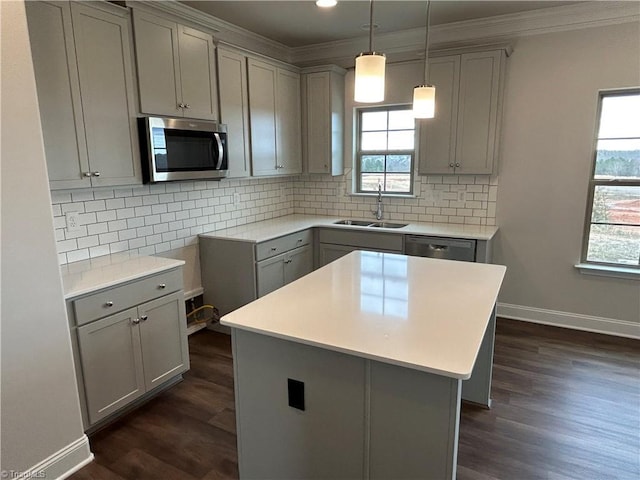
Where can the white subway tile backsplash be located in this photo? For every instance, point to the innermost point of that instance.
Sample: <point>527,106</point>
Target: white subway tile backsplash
<point>150,219</point>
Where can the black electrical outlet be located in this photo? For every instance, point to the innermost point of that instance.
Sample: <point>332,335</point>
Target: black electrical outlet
<point>296,393</point>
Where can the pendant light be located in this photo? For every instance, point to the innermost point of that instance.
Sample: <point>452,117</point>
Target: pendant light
<point>369,82</point>
<point>424,96</point>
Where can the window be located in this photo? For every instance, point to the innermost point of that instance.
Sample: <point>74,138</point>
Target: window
<point>613,213</point>
<point>385,150</point>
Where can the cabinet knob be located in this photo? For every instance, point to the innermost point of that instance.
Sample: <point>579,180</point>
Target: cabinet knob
<point>457,164</point>
<point>299,240</point>
<point>108,304</point>
<point>87,174</point>
<point>96,174</point>
<point>181,105</point>
<point>143,318</point>
<point>187,105</point>
<point>135,321</point>
<point>273,249</point>
<point>451,165</point>
<point>162,285</point>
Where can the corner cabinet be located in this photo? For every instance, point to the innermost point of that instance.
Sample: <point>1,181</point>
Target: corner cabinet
<point>128,340</point>
<point>176,68</point>
<point>84,77</point>
<point>274,115</point>
<point>463,136</point>
<point>323,119</point>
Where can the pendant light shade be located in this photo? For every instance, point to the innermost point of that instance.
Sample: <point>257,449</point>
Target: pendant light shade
<point>424,101</point>
<point>369,84</point>
<point>424,96</point>
<point>370,70</point>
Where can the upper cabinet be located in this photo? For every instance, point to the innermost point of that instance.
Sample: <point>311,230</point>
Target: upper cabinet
<point>176,68</point>
<point>84,76</point>
<point>323,119</point>
<point>274,116</point>
<point>463,136</point>
<point>234,109</point>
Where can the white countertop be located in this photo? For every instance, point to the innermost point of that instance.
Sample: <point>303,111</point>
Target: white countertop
<point>91,275</point>
<point>276,227</point>
<point>415,312</point>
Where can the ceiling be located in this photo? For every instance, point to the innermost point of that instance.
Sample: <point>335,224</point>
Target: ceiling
<point>302,23</point>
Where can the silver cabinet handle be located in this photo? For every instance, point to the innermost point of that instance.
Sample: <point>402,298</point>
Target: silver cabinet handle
<point>181,105</point>
<point>143,318</point>
<point>299,240</point>
<point>287,261</point>
<point>87,174</point>
<point>96,174</point>
<point>273,249</point>
<point>186,105</point>
<point>457,164</point>
<point>108,304</point>
<point>135,321</point>
<point>451,165</point>
<point>162,286</point>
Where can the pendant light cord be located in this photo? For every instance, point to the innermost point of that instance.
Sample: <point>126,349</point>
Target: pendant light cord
<point>426,45</point>
<point>371,25</point>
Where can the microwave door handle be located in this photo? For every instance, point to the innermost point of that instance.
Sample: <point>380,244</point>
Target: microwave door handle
<point>220,150</point>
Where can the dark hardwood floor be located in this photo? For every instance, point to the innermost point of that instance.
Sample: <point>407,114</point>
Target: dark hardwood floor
<point>566,405</point>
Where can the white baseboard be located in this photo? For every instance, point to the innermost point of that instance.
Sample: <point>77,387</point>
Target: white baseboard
<point>576,321</point>
<point>64,462</point>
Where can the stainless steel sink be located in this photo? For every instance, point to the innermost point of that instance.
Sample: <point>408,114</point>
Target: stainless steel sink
<point>388,225</point>
<point>357,223</point>
<point>365,223</point>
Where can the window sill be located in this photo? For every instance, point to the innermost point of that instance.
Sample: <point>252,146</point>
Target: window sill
<point>609,271</point>
<point>384,195</point>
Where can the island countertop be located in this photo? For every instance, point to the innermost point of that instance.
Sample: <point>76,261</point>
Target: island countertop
<point>420,313</point>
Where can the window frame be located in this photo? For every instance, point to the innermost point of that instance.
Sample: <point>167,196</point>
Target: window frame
<point>594,182</point>
<point>359,152</point>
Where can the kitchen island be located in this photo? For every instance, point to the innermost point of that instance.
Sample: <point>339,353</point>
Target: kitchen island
<point>355,370</point>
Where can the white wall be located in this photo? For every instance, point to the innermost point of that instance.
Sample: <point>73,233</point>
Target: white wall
<point>40,409</point>
<point>549,119</point>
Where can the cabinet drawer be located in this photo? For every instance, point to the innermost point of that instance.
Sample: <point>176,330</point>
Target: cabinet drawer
<point>381,241</point>
<point>279,245</point>
<point>112,300</point>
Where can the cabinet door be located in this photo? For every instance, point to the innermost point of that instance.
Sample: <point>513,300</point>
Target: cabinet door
<point>270,274</point>
<point>288,117</point>
<point>438,134</point>
<point>330,252</point>
<point>56,72</point>
<point>198,74</point>
<point>234,109</point>
<point>262,114</point>
<point>111,363</point>
<point>478,112</point>
<point>106,85</point>
<point>156,42</point>
<point>298,263</point>
<point>163,337</point>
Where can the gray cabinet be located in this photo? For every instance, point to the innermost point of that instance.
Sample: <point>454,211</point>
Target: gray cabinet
<point>234,108</point>
<point>463,136</point>
<point>323,119</point>
<point>276,272</point>
<point>236,272</point>
<point>84,75</point>
<point>335,243</point>
<point>274,112</point>
<point>176,68</point>
<point>127,354</point>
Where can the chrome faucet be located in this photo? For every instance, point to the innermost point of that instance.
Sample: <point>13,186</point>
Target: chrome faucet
<point>378,212</point>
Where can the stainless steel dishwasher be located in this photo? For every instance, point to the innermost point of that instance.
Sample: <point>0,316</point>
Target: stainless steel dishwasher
<point>438,247</point>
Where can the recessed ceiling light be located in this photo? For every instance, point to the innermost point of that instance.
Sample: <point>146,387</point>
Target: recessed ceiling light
<point>326,3</point>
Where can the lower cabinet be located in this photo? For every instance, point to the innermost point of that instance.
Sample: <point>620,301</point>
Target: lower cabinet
<point>334,243</point>
<point>121,357</point>
<point>276,272</point>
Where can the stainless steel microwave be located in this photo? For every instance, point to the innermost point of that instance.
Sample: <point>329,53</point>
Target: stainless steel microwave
<point>182,149</point>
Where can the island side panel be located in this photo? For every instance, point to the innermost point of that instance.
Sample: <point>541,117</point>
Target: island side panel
<point>477,389</point>
<point>324,441</point>
<point>414,422</point>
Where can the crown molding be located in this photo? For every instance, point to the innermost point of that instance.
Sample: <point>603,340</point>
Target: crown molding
<point>409,44</point>
<point>225,31</point>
